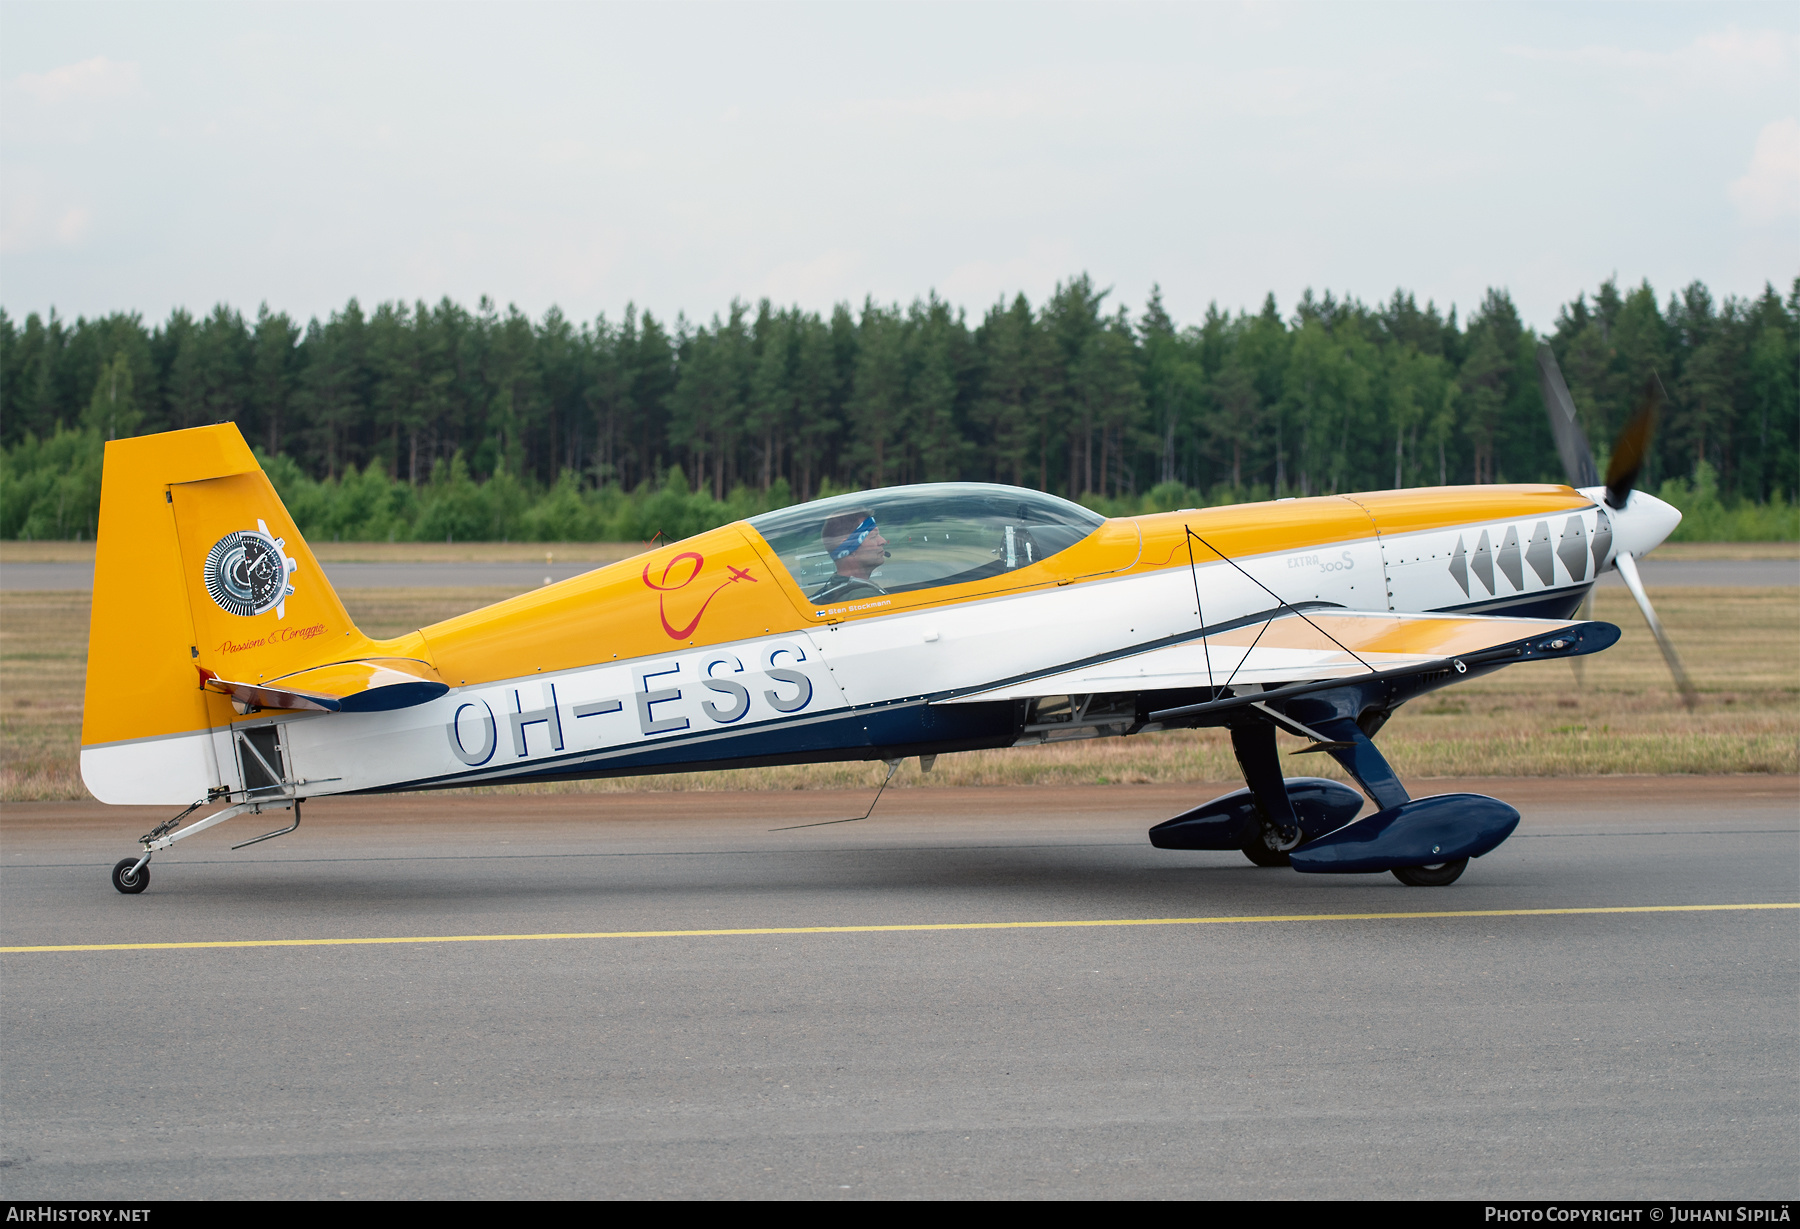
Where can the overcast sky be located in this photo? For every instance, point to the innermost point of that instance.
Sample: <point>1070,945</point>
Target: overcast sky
<point>678,155</point>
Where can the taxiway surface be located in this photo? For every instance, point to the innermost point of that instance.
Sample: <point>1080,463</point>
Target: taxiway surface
<point>1516,1052</point>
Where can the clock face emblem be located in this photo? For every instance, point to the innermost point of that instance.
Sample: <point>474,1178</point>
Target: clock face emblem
<point>247,574</point>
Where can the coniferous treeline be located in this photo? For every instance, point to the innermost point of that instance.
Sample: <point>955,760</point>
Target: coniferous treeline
<point>434,421</point>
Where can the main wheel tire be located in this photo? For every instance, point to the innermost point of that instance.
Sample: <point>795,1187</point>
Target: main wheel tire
<point>1441,875</point>
<point>1258,851</point>
<point>136,882</point>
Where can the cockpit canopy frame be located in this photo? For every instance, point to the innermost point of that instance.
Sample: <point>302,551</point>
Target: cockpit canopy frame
<point>938,534</point>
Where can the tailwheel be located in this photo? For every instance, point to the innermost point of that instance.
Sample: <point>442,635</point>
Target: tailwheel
<point>129,880</point>
<point>1438,875</point>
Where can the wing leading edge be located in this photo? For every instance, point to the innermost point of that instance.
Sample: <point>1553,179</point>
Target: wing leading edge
<point>1312,647</point>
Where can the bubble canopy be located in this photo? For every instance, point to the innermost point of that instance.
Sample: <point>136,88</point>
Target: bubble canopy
<point>923,537</point>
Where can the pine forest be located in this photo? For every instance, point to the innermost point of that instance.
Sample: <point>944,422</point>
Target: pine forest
<point>436,422</point>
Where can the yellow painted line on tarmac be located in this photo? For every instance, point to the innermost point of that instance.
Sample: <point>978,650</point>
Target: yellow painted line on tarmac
<point>895,927</point>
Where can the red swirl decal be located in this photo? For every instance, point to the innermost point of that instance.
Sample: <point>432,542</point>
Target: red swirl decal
<point>664,588</point>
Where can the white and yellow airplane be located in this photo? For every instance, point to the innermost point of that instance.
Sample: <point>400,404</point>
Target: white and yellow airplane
<point>223,670</point>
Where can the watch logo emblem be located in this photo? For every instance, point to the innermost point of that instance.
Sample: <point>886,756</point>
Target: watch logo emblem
<point>248,574</point>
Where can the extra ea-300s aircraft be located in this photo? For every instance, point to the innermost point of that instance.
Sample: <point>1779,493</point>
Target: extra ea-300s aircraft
<point>919,620</point>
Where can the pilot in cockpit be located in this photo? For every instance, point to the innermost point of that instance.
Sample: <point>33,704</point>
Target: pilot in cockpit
<point>857,548</point>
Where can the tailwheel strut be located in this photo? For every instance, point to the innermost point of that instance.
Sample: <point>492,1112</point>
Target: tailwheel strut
<point>132,875</point>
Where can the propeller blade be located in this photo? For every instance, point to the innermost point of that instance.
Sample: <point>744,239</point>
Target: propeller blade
<point>1579,664</point>
<point>1633,445</point>
<point>1571,441</point>
<point>1627,567</point>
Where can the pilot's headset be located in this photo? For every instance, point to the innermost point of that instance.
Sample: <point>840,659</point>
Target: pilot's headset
<point>853,529</point>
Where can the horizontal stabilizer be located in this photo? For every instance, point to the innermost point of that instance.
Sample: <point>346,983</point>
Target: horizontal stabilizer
<point>1291,647</point>
<point>374,686</point>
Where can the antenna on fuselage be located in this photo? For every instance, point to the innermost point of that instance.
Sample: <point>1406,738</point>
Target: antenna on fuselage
<point>893,767</point>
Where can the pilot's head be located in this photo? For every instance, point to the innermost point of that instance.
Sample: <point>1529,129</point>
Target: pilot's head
<point>854,542</point>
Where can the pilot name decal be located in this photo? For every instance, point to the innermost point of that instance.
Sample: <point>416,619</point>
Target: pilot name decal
<point>852,608</point>
<point>694,693</point>
<point>663,588</point>
<point>248,573</point>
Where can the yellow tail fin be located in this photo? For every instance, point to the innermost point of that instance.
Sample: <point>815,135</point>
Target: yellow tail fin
<point>198,570</point>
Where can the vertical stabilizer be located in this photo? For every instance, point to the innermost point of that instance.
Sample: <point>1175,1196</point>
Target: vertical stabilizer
<point>197,567</point>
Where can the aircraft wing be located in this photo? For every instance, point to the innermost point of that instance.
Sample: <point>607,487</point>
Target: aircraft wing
<point>1291,647</point>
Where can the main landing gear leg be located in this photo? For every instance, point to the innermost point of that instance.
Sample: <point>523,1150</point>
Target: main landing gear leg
<point>1253,742</point>
<point>1359,757</point>
<point>1357,754</point>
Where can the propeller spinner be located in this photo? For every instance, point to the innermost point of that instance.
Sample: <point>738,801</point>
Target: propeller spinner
<point>1630,450</point>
